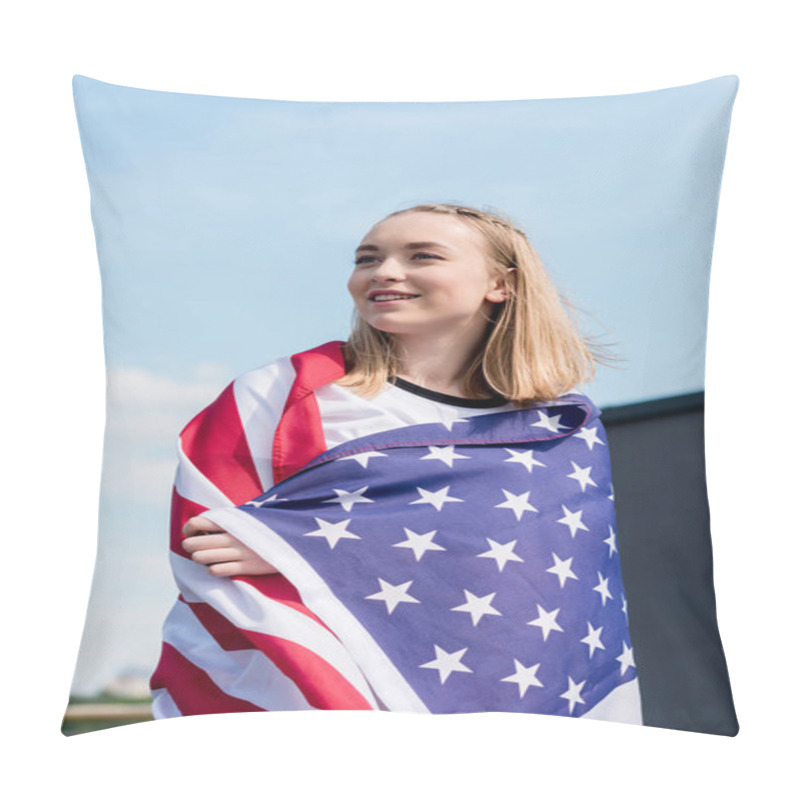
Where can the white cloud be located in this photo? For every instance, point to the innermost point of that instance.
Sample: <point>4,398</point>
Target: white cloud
<point>154,407</point>
<point>145,414</point>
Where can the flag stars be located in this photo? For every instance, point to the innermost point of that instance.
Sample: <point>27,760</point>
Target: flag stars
<point>501,553</point>
<point>593,639</point>
<point>450,422</point>
<point>572,519</point>
<point>363,458</point>
<point>546,621</point>
<point>589,435</point>
<point>625,659</point>
<point>447,663</point>
<point>524,457</point>
<point>563,569</point>
<point>581,474</point>
<point>392,595</point>
<point>524,677</point>
<point>349,499</point>
<point>260,503</point>
<point>478,607</point>
<point>436,499</point>
<point>573,693</point>
<point>549,423</point>
<point>518,503</point>
<point>420,543</point>
<point>332,531</point>
<point>611,541</point>
<point>446,454</point>
<point>602,588</point>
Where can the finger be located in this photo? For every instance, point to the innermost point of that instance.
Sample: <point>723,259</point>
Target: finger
<point>210,541</point>
<point>227,569</point>
<point>216,556</point>
<point>197,525</point>
<point>246,567</point>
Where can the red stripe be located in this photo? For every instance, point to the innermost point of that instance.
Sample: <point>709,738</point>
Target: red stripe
<point>323,686</point>
<point>299,437</point>
<point>278,588</point>
<point>191,688</point>
<point>181,511</point>
<point>214,441</point>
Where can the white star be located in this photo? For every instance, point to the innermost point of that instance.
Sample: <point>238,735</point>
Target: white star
<point>611,496</point>
<point>562,569</point>
<point>263,502</point>
<point>501,553</point>
<point>524,677</point>
<point>392,595</point>
<point>611,541</point>
<point>349,499</point>
<point>590,436</point>
<point>450,422</point>
<point>546,621</point>
<point>332,531</point>
<point>602,588</point>
<point>363,458</point>
<point>436,499</point>
<point>625,659</point>
<point>593,639</point>
<point>478,606</point>
<point>419,542</point>
<point>625,606</point>
<point>548,422</point>
<point>573,694</point>
<point>524,457</point>
<point>445,454</point>
<point>582,476</point>
<point>447,662</point>
<point>518,503</point>
<point>572,519</point>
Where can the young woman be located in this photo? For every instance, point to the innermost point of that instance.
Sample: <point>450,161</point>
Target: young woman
<point>455,319</point>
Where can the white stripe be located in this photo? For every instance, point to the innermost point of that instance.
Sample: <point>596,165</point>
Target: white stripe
<point>382,674</point>
<point>624,704</point>
<point>248,609</point>
<point>164,706</point>
<point>192,485</point>
<point>260,399</point>
<point>246,674</point>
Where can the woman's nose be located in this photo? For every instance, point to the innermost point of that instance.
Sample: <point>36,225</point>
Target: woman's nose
<point>388,268</point>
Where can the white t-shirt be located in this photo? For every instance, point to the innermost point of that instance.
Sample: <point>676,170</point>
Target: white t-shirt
<point>261,396</point>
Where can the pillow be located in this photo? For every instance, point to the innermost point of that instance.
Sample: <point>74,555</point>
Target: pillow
<point>225,229</point>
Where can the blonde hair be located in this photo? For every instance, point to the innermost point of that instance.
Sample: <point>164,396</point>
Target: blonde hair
<point>532,350</point>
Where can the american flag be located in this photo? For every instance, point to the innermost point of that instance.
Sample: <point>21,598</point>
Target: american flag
<point>443,567</point>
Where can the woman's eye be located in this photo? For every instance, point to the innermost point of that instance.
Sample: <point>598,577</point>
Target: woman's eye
<point>425,256</point>
<point>364,259</point>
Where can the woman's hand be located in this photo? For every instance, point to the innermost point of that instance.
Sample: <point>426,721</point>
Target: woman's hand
<point>224,555</point>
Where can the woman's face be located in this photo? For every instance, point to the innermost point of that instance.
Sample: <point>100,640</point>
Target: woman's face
<point>436,259</point>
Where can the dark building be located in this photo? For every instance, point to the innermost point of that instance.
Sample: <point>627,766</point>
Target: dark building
<point>657,451</point>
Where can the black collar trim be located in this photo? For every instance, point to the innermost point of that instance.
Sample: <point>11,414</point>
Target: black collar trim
<point>449,399</point>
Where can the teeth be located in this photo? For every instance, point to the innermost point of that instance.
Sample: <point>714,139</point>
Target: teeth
<point>393,297</point>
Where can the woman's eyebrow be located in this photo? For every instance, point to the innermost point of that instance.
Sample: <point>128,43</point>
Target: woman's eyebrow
<point>418,245</point>
<point>410,246</point>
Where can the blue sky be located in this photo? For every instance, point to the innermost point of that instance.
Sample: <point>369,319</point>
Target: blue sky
<point>226,229</point>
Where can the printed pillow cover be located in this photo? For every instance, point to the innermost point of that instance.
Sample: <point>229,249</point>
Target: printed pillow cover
<point>225,232</point>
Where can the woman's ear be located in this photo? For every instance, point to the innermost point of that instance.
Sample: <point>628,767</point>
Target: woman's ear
<point>502,285</point>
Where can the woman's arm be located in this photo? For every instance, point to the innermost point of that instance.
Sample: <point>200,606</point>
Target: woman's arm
<point>215,548</point>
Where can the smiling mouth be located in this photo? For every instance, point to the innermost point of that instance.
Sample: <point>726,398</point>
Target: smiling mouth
<point>392,298</point>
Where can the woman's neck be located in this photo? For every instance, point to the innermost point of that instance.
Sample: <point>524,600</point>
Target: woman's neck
<point>437,363</point>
